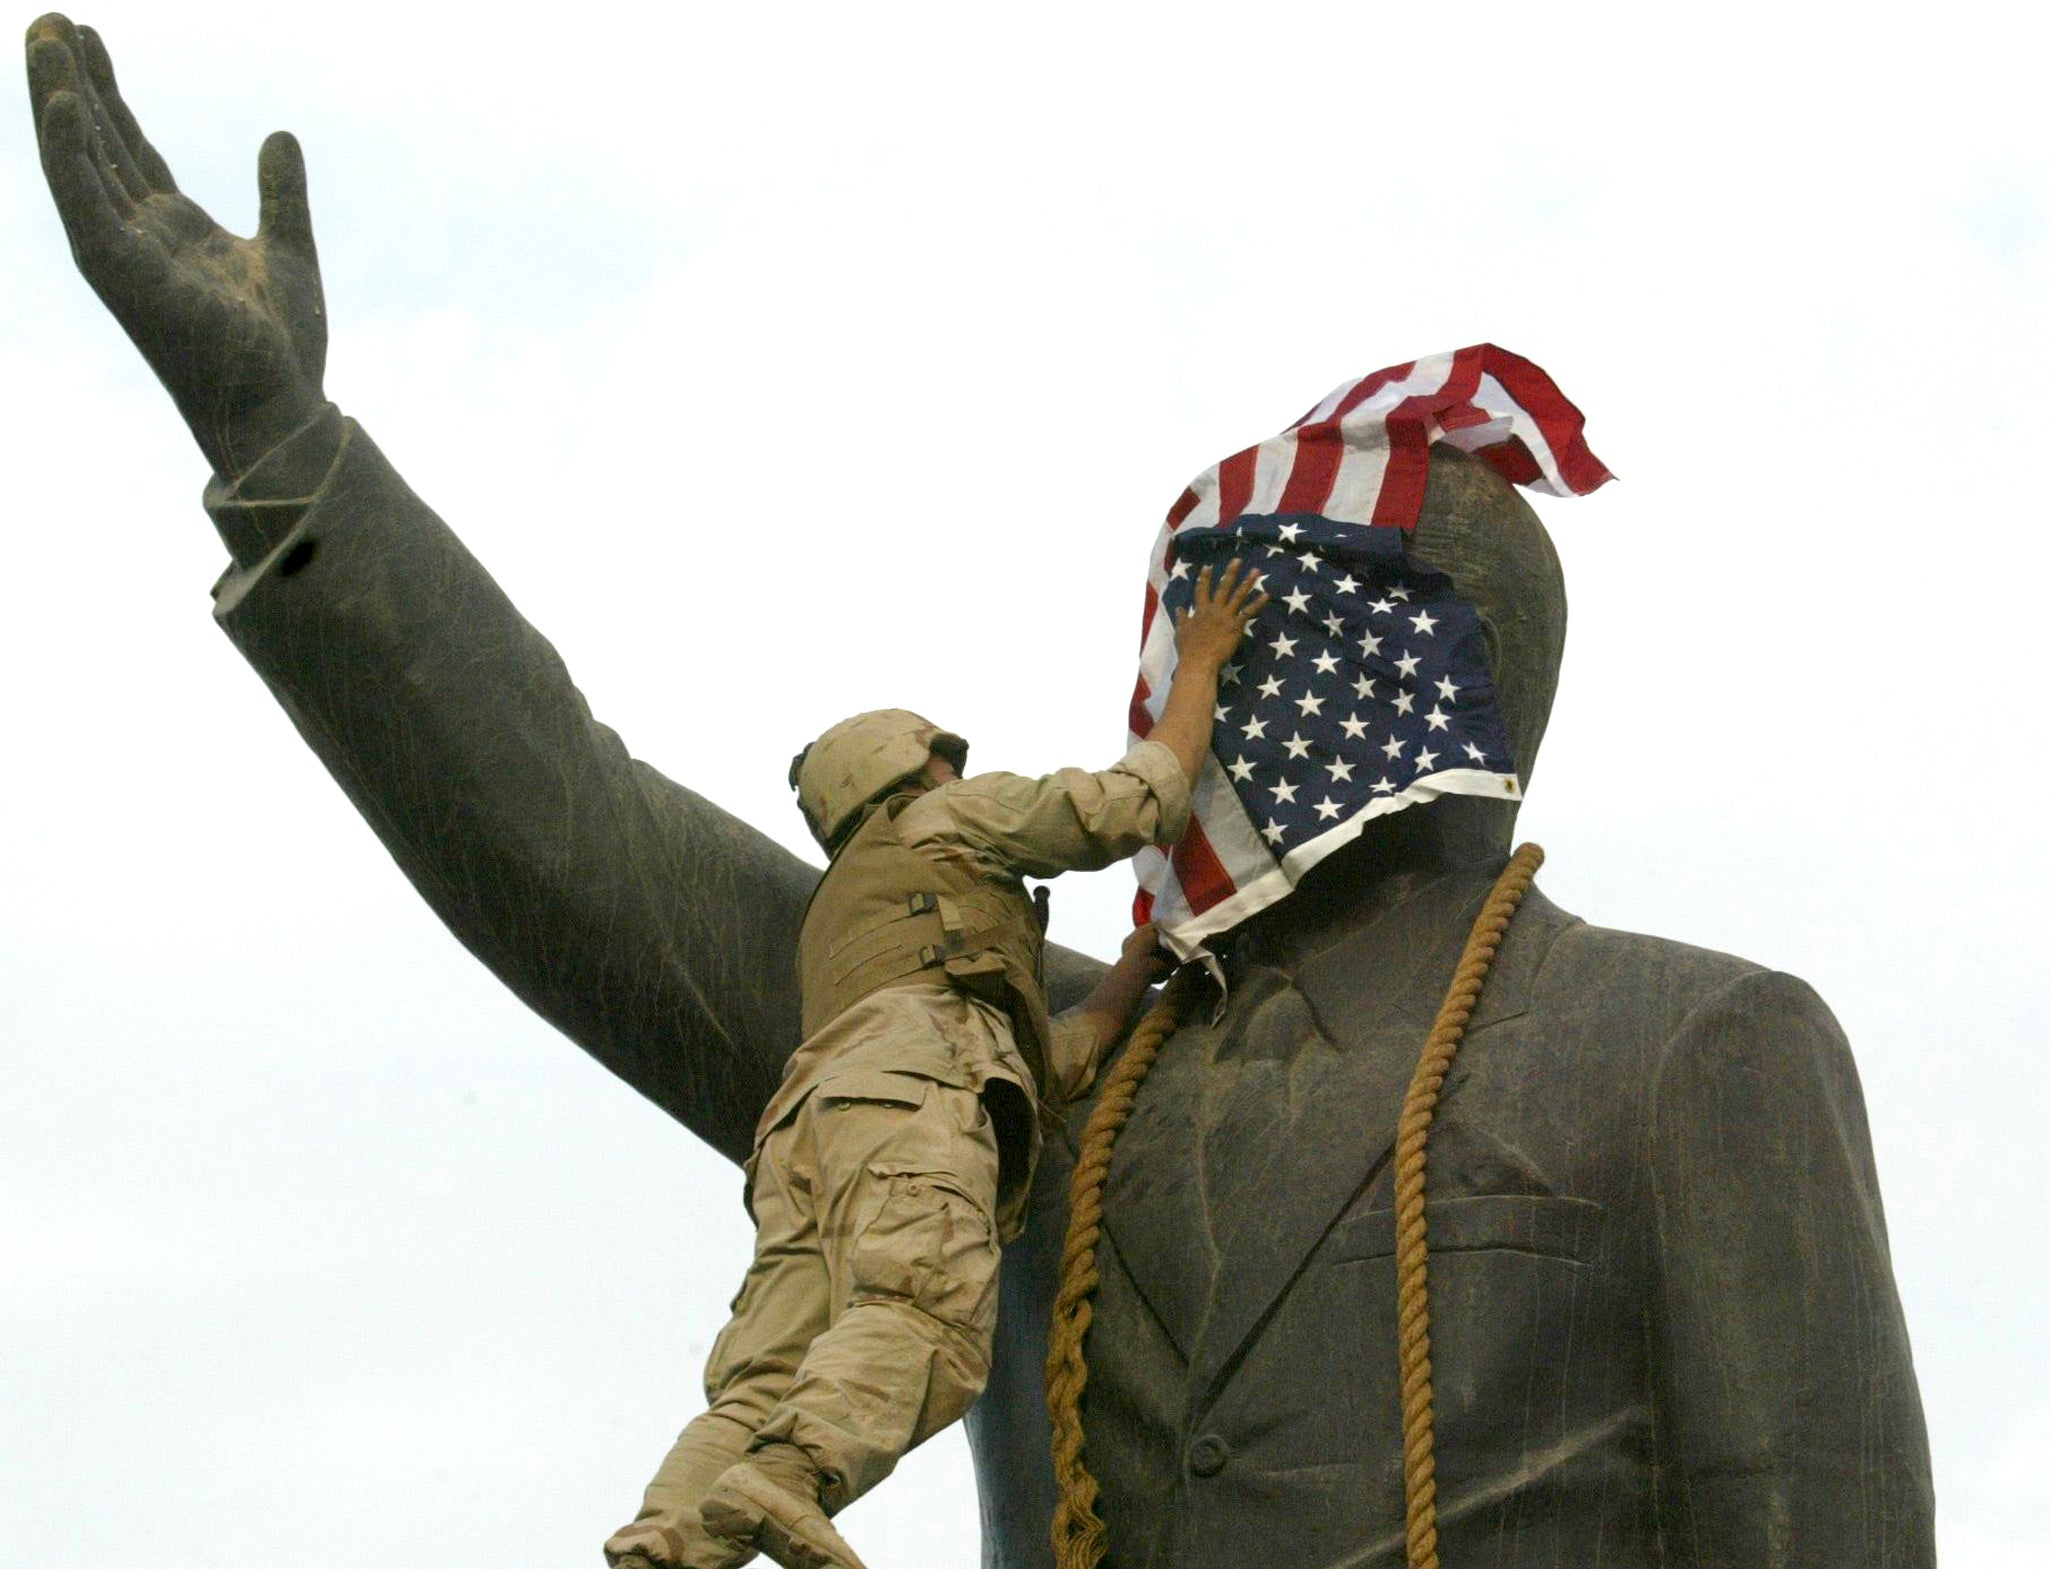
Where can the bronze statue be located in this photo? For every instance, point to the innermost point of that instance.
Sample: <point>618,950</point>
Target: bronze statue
<point>1666,1331</point>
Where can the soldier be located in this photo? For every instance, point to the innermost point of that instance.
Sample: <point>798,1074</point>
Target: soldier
<point>897,1155</point>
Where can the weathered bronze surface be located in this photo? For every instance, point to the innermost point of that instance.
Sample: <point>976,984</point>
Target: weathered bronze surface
<point>1665,1326</point>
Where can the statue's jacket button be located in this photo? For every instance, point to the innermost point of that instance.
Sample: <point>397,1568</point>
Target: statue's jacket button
<point>1208,1454</point>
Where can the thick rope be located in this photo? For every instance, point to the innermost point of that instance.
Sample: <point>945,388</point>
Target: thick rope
<point>1412,1247</point>
<point>1078,1533</point>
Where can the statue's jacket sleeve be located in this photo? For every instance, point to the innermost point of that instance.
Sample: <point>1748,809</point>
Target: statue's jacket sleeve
<point>654,929</point>
<point>1783,1391</point>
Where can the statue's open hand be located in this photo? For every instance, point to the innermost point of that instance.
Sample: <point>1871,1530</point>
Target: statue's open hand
<point>234,328</point>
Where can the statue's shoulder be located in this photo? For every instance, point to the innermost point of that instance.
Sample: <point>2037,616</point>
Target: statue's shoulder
<point>1633,1032</point>
<point>1643,986</point>
<point>1582,954</point>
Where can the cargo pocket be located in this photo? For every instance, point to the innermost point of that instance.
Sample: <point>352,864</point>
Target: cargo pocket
<point>931,1246</point>
<point>877,1087</point>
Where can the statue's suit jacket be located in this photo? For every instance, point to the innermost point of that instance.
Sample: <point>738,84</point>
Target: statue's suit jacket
<point>1665,1329</point>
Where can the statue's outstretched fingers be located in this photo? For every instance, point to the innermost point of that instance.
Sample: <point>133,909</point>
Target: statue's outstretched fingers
<point>148,163</point>
<point>283,215</point>
<point>117,165</point>
<point>91,217</point>
<point>54,75</point>
<point>53,64</point>
<point>117,258</point>
<point>51,24</point>
<point>57,64</point>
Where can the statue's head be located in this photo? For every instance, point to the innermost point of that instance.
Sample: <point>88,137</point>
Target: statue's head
<point>1391,705</point>
<point>861,760</point>
<point>1478,530</point>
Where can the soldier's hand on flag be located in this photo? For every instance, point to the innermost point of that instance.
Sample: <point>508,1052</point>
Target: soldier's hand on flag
<point>1142,950</point>
<point>1218,615</point>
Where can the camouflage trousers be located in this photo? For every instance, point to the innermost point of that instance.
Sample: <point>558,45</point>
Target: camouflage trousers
<point>865,1322</point>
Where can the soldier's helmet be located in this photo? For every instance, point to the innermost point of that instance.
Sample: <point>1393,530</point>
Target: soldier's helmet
<point>858,760</point>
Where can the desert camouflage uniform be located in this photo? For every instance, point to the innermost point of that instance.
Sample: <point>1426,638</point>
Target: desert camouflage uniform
<point>890,1166</point>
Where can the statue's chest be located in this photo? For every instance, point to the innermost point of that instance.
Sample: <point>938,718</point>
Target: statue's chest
<point>1249,1135</point>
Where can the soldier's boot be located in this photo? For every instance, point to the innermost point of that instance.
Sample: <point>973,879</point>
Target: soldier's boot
<point>771,1501</point>
<point>684,1546</point>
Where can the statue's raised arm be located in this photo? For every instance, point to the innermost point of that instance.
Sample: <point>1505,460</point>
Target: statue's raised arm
<point>653,928</point>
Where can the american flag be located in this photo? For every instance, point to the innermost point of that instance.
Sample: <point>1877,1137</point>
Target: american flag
<point>1364,687</point>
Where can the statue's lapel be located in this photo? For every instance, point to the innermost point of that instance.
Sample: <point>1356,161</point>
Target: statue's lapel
<point>1250,1138</point>
<point>1307,1136</point>
<point>1321,1073</point>
<point>1154,1205</point>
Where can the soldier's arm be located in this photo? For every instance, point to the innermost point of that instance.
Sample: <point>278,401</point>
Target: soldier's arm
<point>1074,820</point>
<point>1069,821</point>
<point>1085,1032</point>
<point>1788,1424</point>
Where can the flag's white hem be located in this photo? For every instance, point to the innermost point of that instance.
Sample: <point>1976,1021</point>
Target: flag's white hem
<point>1186,938</point>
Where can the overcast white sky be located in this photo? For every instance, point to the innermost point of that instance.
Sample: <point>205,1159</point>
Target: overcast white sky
<point>785,361</point>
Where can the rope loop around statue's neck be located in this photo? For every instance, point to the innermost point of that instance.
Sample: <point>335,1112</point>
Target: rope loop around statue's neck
<point>1078,1532</point>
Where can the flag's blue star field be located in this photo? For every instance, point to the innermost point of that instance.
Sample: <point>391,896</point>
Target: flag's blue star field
<point>1364,676</point>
